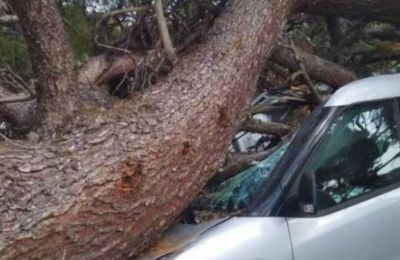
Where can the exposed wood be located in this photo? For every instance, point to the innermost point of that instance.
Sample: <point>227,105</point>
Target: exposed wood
<point>112,180</point>
<point>100,69</point>
<point>319,69</point>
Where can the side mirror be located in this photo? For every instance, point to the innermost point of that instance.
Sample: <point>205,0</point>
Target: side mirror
<point>307,194</point>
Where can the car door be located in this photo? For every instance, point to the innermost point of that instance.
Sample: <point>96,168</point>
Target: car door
<point>357,174</point>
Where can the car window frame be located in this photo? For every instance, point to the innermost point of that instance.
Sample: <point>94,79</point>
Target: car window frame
<point>285,173</point>
<point>357,200</point>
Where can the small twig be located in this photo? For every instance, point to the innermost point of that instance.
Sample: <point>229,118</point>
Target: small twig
<point>65,20</point>
<point>17,144</point>
<point>317,98</point>
<point>15,100</point>
<point>271,128</point>
<point>111,14</point>
<point>22,83</point>
<point>125,77</point>
<point>106,46</point>
<point>163,29</point>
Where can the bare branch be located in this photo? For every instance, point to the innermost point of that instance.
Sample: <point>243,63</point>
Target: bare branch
<point>390,34</point>
<point>8,19</point>
<point>239,162</point>
<point>163,28</point>
<point>271,128</point>
<point>265,108</point>
<point>19,82</point>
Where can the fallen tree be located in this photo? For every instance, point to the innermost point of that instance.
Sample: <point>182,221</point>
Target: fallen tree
<point>102,183</point>
<point>105,185</point>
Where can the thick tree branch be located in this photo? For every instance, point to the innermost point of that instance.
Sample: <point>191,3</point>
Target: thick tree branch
<point>318,68</point>
<point>51,58</point>
<point>270,128</point>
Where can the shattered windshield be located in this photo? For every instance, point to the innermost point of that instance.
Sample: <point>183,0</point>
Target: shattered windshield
<point>237,193</point>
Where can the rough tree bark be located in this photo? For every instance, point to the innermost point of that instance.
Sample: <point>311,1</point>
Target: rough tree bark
<point>51,58</point>
<point>107,185</point>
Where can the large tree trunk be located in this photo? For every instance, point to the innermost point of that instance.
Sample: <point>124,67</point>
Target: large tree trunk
<point>113,180</point>
<point>51,58</point>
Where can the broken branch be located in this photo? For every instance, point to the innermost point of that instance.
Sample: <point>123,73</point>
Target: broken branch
<point>270,128</point>
<point>239,162</point>
<point>319,69</point>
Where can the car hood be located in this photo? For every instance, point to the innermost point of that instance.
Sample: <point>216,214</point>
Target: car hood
<point>177,237</point>
<point>241,238</point>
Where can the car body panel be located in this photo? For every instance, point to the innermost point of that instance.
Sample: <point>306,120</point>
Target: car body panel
<point>176,237</point>
<point>368,89</point>
<point>241,238</point>
<point>369,230</point>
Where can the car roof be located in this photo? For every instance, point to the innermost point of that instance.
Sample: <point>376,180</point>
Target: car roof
<point>368,89</point>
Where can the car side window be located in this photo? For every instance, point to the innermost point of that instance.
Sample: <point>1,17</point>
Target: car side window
<point>359,154</point>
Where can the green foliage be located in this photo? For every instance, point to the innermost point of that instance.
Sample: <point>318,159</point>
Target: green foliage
<point>80,30</point>
<point>13,51</point>
<point>78,25</point>
<point>312,36</point>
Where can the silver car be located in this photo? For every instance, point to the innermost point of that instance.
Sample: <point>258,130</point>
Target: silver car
<point>333,193</point>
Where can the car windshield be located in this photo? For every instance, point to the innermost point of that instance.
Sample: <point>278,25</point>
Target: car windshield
<point>238,192</point>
